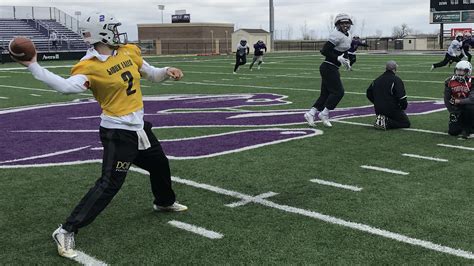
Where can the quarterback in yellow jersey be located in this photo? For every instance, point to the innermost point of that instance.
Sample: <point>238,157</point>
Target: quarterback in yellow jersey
<point>112,69</point>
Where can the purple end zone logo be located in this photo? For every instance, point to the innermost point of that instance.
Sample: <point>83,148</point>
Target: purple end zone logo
<point>68,133</point>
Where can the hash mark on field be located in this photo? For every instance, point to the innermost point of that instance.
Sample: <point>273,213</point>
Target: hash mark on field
<point>245,202</point>
<point>85,259</point>
<point>332,184</point>
<point>35,95</point>
<point>424,157</point>
<point>197,230</point>
<point>456,147</point>
<point>375,168</point>
<point>4,98</point>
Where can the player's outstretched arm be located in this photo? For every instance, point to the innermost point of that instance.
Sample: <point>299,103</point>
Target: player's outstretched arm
<point>74,84</point>
<point>156,74</point>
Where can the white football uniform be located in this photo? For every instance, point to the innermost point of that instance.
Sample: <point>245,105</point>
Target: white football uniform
<point>341,42</point>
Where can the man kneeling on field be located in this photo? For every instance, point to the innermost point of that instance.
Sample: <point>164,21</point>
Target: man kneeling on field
<point>387,93</point>
<point>459,100</point>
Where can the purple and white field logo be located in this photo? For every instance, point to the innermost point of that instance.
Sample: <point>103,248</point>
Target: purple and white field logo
<point>68,133</point>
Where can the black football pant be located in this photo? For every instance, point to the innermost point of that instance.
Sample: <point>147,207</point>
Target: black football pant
<point>120,152</point>
<point>240,60</point>
<point>332,90</point>
<point>395,119</point>
<point>461,120</point>
<point>447,59</point>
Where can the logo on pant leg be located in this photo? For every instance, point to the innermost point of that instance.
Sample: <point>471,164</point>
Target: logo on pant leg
<point>122,166</point>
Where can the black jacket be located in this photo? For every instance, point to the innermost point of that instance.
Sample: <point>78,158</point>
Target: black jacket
<point>387,93</point>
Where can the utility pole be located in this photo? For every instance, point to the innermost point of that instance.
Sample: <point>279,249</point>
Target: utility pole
<point>272,25</point>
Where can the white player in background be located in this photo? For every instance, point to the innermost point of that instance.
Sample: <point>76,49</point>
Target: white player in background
<point>332,90</point>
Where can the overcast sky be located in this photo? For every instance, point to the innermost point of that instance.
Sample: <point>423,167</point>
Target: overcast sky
<point>370,16</point>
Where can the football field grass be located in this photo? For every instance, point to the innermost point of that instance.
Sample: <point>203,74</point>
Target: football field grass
<point>349,194</point>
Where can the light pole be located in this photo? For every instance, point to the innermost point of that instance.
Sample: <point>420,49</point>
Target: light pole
<point>161,7</point>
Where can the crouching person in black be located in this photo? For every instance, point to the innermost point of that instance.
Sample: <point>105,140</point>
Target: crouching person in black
<point>387,93</point>
<point>459,100</point>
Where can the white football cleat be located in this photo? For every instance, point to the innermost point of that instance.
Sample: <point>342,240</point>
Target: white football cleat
<point>258,67</point>
<point>65,243</point>
<point>432,67</point>
<point>175,207</point>
<point>310,119</point>
<point>325,119</point>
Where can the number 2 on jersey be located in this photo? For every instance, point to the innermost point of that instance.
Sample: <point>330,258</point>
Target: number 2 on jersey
<point>127,76</point>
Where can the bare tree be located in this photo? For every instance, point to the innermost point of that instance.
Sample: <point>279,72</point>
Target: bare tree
<point>378,33</point>
<point>399,32</point>
<point>289,32</point>
<point>330,25</point>
<point>362,27</point>
<point>305,31</point>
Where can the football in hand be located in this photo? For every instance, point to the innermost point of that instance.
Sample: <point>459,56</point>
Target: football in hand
<point>22,48</point>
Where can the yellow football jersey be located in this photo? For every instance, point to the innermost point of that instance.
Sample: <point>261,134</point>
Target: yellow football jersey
<point>115,83</point>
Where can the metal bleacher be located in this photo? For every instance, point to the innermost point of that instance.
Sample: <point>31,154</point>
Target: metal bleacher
<point>38,30</point>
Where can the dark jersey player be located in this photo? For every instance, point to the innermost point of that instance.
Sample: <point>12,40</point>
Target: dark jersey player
<point>351,53</point>
<point>259,49</point>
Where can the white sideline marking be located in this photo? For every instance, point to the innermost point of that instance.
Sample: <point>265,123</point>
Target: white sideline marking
<point>85,259</point>
<point>456,147</point>
<point>46,155</point>
<point>245,202</point>
<point>424,157</point>
<point>197,230</point>
<point>384,170</point>
<point>332,184</point>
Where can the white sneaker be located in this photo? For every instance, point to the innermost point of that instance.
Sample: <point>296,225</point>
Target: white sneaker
<point>380,122</point>
<point>325,119</point>
<point>310,119</point>
<point>175,207</point>
<point>65,243</point>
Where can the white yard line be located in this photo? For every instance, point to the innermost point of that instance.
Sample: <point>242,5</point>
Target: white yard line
<point>289,89</point>
<point>196,229</point>
<point>405,129</point>
<point>386,170</point>
<point>36,89</point>
<point>424,157</point>
<point>332,184</point>
<point>311,214</point>
<point>245,202</point>
<point>456,147</point>
<point>46,155</point>
<point>326,218</point>
<point>85,259</point>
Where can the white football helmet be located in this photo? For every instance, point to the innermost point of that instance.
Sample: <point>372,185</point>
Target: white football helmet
<point>467,34</point>
<point>342,17</point>
<point>463,70</point>
<point>102,27</point>
<point>459,36</point>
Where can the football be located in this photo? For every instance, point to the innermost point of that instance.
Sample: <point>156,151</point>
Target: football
<point>22,48</point>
